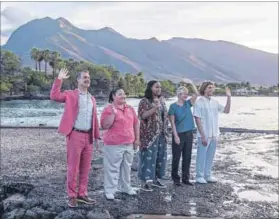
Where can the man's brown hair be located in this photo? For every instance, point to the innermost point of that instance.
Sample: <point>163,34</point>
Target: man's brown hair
<point>204,86</point>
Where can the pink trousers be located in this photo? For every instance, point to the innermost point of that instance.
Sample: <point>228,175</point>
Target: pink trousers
<point>79,155</point>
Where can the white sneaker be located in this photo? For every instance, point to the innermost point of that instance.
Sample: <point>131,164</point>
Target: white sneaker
<point>201,180</point>
<point>211,179</point>
<point>131,191</point>
<point>109,196</point>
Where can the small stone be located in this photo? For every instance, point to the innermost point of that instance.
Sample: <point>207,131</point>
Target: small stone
<point>98,215</point>
<point>30,215</point>
<point>69,214</point>
<point>43,213</point>
<point>97,166</point>
<point>16,213</point>
<point>98,161</point>
<point>14,201</point>
<point>59,210</point>
<point>29,203</point>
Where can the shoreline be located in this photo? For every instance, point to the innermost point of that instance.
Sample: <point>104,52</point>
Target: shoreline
<point>46,97</point>
<point>222,129</point>
<point>32,181</point>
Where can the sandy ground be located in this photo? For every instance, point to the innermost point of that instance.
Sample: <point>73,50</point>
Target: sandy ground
<point>33,174</point>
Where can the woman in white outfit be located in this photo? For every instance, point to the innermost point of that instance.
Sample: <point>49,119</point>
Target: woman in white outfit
<point>121,138</point>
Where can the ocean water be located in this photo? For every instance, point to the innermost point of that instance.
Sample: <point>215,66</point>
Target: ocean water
<point>246,112</point>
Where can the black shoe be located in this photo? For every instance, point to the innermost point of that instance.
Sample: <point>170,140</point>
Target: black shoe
<point>177,183</point>
<point>158,184</point>
<point>187,182</point>
<point>146,188</point>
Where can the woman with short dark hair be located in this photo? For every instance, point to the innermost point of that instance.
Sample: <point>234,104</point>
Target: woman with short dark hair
<point>121,137</point>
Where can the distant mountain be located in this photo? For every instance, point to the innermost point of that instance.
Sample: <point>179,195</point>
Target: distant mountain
<point>173,59</point>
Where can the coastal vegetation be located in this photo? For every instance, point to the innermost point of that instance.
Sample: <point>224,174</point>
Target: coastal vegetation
<point>17,80</point>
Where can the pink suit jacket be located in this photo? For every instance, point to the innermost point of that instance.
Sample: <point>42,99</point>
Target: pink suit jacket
<point>71,98</point>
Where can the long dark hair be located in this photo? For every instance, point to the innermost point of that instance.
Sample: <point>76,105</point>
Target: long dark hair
<point>148,91</point>
<point>112,93</point>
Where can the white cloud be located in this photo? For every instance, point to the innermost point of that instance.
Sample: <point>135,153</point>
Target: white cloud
<point>240,22</point>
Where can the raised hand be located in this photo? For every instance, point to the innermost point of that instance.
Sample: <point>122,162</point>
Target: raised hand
<point>157,103</point>
<point>63,74</point>
<point>228,92</point>
<point>114,110</point>
<point>187,81</point>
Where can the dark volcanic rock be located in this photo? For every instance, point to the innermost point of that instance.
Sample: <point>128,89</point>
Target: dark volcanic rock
<point>32,184</point>
<point>69,214</point>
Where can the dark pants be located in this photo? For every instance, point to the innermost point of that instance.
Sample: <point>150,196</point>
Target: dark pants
<point>185,147</point>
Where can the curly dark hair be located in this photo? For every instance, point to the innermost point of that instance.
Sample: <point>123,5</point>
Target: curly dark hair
<point>112,93</point>
<point>148,90</point>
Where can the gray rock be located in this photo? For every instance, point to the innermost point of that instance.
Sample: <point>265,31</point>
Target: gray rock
<point>31,215</point>
<point>15,214</point>
<point>30,203</point>
<point>14,201</point>
<point>69,214</point>
<point>43,213</point>
<point>98,215</point>
<point>97,160</point>
<point>97,166</point>
<point>59,210</point>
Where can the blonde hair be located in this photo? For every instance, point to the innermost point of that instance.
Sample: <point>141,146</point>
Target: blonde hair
<point>181,90</point>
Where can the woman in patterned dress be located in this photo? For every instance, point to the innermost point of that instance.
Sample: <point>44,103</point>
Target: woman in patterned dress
<point>152,112</point>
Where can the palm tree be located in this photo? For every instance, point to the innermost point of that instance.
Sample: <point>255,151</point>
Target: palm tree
<point>40,58</point>
<point>34,55</point>
<point>46,58</point>
<point>71,65</point>
<point>54,56</point>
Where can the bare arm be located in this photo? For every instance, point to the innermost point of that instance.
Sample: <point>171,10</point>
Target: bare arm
<point>195,91</point>
<point>108,118</point>
<point>228,104</point>
<point>108,121</point>
<point>174,131</point>
<point>137,131</point>
<point>148,113</point>
<point>195,94</point>
<point>199,126</point>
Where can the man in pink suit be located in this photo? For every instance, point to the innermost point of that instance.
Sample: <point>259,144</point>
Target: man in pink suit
<point>80,125</point>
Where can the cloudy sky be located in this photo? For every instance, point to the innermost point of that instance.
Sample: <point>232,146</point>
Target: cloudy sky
<point>253,24</point>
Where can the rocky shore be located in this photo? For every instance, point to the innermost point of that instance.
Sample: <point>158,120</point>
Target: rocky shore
<point>33,174</point>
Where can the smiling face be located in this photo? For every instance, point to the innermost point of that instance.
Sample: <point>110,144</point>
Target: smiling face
<point>84,79</point>
<point>156,89</point>
<point>207,89</point>
<point>119,97</point>
<point>182,93</point>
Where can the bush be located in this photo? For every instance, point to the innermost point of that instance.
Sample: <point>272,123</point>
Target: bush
<point>5,86</point>
<point>33,89</point>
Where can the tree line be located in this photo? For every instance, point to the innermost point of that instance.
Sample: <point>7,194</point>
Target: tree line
<point>19,80</point>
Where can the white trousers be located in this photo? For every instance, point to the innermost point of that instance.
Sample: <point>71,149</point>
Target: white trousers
<point>117,167</point>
